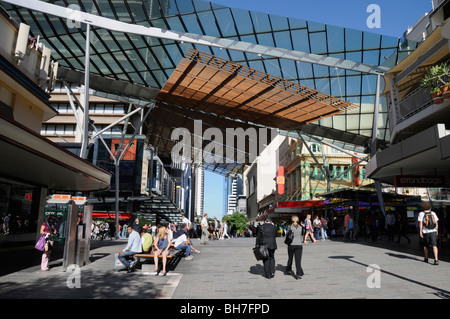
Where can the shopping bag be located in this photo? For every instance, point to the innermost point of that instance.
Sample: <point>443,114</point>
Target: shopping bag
<point>40,245</point>
<point>117,262</point>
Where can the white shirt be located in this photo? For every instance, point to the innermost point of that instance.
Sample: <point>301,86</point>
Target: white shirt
<point>424,229</point>
<point>179,240</point>
<point>390,219</point>
<point>134,242</point>
<point>205,222</point>
<point>187,222</point>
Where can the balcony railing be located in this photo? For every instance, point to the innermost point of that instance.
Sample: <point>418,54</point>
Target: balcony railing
<point>411,104</point>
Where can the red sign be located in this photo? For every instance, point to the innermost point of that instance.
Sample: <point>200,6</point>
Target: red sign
<point>280,180</point>
<point>355,172</point>
<point>419,181</point>
<point>130,155</point>
<point>303,203</point>
<point>109,215</point>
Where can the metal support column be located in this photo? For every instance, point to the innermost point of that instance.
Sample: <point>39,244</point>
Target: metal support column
<point>374,142</point>
<point>85,140</point>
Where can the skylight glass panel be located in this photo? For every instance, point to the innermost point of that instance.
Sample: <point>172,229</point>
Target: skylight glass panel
<point>318,43</point>
<point>242,20</point>
<point>175,24</point>
<point>371,41</point>
<point>279,23</point>
<point>261,22</point>
<point>185,6</point>
<point>335,37</point>
<point>283,40</point>
<point>207,20</point>
<point>225,21</point>
<point>266,39</point>
<point>353,40</point>
<point>300,40</point>
<point>190,21</point>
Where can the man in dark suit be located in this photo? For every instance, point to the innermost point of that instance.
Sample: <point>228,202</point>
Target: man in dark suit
<point>267,233</point>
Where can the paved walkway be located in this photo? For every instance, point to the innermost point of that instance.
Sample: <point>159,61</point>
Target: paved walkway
<point>226,269</point>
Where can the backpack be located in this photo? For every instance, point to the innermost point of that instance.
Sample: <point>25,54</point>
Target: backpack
<point>429,221</point>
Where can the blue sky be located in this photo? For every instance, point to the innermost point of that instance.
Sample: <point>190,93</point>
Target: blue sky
<point>395,17</point>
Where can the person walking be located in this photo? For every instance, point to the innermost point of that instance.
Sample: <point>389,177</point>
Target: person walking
<point>267,234</point>
<point>309,230</point>
<point>428,228</point>
<point>402,223</point>
<point>390,225</point>
<point>225,230</point>
<point>317,225</point>
<point>204,224</point>
<point>295,249</point>
<point>351,228</point>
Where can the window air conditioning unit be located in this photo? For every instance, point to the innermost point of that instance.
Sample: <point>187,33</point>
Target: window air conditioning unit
<point>21,43</point>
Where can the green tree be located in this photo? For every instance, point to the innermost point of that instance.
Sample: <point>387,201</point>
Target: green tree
<point>238,219</point>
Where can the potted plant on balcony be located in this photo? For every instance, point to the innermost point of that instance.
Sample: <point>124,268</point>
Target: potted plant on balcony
<point>436,95</point>
<point>432,81</point>
<point>444,78</point>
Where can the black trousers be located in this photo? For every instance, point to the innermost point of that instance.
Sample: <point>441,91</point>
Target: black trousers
<point>297,251</point>
<point>269,264</point>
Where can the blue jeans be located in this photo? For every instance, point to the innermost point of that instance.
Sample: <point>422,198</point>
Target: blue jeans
<point>187,248</point>
<point>316,233</point>
<point>126,256</point>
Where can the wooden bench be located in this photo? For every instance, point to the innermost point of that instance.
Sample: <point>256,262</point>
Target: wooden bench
<point>173,258</point>
<point>172,253</point>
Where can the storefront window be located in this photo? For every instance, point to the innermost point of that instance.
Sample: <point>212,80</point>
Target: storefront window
<point>18,212</point>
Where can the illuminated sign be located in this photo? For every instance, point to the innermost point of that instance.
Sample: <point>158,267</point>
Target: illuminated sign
<point>280,180</point>
<point>419,181</point>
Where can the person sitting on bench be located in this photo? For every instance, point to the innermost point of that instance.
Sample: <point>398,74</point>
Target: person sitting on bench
<point>147,241</point>
<point>182,241</point>
<point>161,246</point>
<point>134,246</point>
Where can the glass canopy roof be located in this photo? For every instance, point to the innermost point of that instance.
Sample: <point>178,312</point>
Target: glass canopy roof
<point>150,61</point>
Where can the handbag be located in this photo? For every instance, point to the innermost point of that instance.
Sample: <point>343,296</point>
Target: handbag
<point>40,245</point>
<point>289,237</point>
<point>261,251</point>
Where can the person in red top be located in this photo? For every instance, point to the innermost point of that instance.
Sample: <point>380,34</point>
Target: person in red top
<point>347,226</point>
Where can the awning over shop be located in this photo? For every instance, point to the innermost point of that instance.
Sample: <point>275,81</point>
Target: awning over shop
<point>365,198</point>
<point>30,158</point>
<point>304,203</point>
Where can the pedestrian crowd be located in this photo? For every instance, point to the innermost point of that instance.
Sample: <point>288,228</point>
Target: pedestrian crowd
<point>298,233</point>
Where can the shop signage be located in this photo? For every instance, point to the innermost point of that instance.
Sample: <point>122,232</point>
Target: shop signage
<point>419,181</point>
<point>280,180</point>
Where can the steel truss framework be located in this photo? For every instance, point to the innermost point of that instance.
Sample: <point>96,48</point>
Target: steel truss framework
<point>333,60</point>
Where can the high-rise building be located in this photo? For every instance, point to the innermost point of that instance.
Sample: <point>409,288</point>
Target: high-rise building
<point>232,191</point>
<point>199,189</point>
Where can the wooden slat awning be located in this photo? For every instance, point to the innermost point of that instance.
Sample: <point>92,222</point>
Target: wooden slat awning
<point>214,85</point>
<point>166,118</point>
